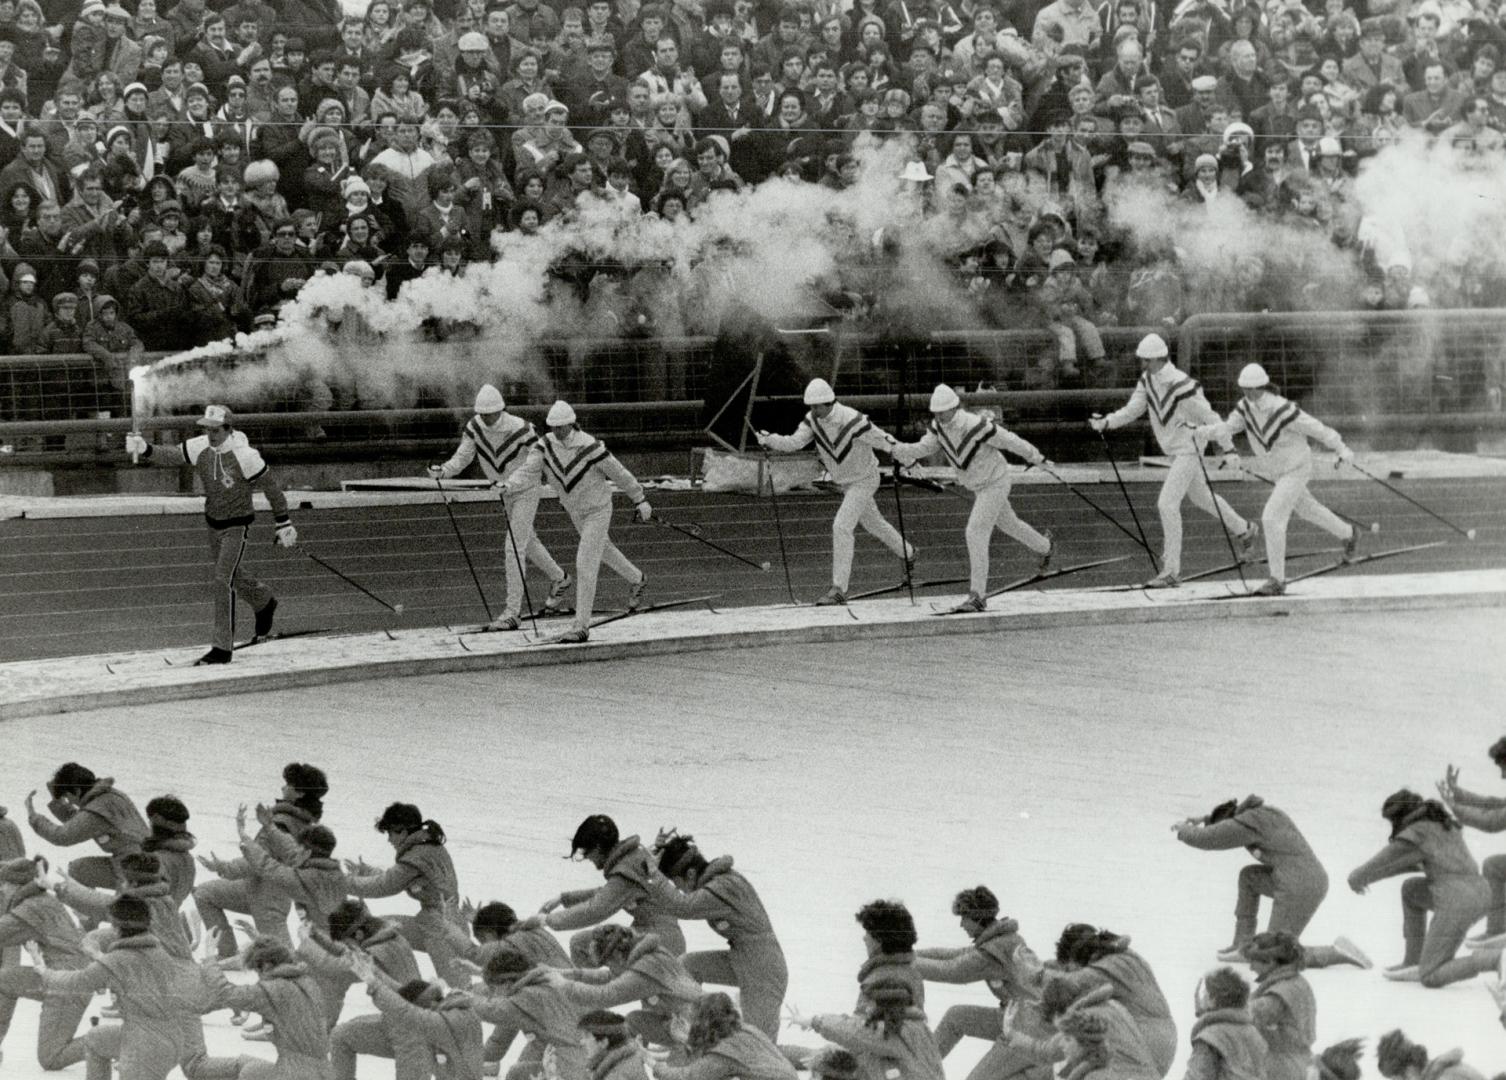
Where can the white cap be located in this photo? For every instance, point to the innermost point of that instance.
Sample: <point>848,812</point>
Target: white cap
<point>215,416</point>
<point>944,398</point>
<point>1152,347</point>
<point>819,392</point>
<point>489,399</point>
<point>560,414</point>
<point>1252,377</point>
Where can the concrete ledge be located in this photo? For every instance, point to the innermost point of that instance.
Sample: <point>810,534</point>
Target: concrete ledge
<point>78,683</point>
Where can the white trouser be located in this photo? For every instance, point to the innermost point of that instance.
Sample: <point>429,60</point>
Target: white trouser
<point>520,514</point>
<point>858,508</point>
<point>1186,481</point>
<point>594,550</point>
<point>1291,494</point>
<point>991,510</point>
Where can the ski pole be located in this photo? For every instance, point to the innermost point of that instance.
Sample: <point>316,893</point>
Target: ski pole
<point>1218,510</point>
<point>517,556</point>
<point>1468,534</point>
<point>396,609</point>
<point>904,542</point>
<point>784,558</point>
<point>1373,527</point>
<point>1110,518</point>
<point>463,549</point>
<point>694,532</point>
<point>1123,491</point>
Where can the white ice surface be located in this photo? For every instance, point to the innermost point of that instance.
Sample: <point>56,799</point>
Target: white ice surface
<point>1045,764</point>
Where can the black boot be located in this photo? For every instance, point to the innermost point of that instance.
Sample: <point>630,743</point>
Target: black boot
<point>264,619</point>
<point>214,656</point>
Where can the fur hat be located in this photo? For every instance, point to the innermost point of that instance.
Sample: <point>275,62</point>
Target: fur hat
<point>259,172</point>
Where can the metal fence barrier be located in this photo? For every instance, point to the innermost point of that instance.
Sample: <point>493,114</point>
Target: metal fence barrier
<point>1413,372</point>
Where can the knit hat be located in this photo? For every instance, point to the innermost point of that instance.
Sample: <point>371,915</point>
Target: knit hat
<point>1328,146</point>
<point>1060,257</point>
<point>489,400</point>
<point>115,11</point>
<point>130,913</point>
<point>1205,161</point>
<point>118,129</point>
<point>1144,149</point>
<point>104,300</point>
<point>944,398</point>
<point>92,7</point>
<point>1151,347</point>
<point>556,107</point>
<point>24,272</point>
<point>197,89</point>
<point>354,184</point>
<point>560,414</point>
<point>17,871</point>
<point>88,266</point>
<point>360,268</point>
<point>473,42</point>
<point>1238,128</point>
<point>1253,376</point>
<point>64,298</point>
<point>1204,82</point>
<point>132,88</point>
<point>819,392</point>
<point>535,101</point>
<point>259,172</point>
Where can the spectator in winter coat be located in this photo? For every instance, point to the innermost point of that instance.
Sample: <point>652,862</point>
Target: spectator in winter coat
<point>156,302</point>
<point>276,269</point>
<point>62,333</point>
<point>95,225</point>
<point>113,345</point>
<point>26,314</point>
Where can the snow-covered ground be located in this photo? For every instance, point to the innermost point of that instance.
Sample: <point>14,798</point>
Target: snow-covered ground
<point>1047,765</point>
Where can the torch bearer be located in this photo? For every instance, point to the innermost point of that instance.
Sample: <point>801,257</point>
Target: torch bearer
<point>138,375</point>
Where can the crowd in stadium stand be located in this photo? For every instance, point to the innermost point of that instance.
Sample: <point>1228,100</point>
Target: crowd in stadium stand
<point>173,174</point>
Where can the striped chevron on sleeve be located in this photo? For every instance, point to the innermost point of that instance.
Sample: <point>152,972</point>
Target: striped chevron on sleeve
<point>962,451</point>
<point>496,453</point>
<point>1163,405</point>
<point>567,470</point>
<point>1265,433</point>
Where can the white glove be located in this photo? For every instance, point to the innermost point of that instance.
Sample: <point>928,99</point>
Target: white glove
<point>436,471</point>
<point>1099,424</point>
<point>135,445</point>
<point>645,511</point>
<point>1346,456</point>
<point>287,536</point>
<point>762,437</point>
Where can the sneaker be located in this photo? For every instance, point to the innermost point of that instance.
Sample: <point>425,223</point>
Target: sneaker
<point>264,620</point>
<point>1352,953</point>
<point>1164,580</point>
<point>830,597</point>
<point>214,656</point>
<point>1270,587</point>
<point>635,595</point>
<point>1405,973</point>
<point>1234,954</point>
<point>974,602</point>
<point>1486,941</point>
<point>1247,542</point>
<point>1045,564</point>
<point>1352,545</point>
<point>577,636</point>
<point>504,622</point>
<point>557,589</point>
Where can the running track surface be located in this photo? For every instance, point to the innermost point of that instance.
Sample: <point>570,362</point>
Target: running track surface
<point>85,585</point>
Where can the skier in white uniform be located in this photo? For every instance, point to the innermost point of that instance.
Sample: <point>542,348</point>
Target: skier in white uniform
<point>845,440</point>
<point>974,446</point>
<point>500,441</point>
<point>578,468</point>
<point>1175,401</point>
<point>1279,434</point>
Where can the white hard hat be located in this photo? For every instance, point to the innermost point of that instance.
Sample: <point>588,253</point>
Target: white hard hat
<point>1252,377</point>
<point>819,392</point>
<point>560,414</point>
<point>944,398</point>
<point>215,416</point>
<point>489,400</point>
<point>1152,347</point>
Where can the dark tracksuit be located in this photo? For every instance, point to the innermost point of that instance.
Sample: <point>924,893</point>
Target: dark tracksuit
<point>1450,887</point>
<point>753,961</point>
<point>423,869</point>
<point>31,914</point>
<point>1226,1045</point>
<point>1000,959</point>
<point>651,975</point>
<point>105,815</point>
<point>629,887</point>
<point>1286,1012</point>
